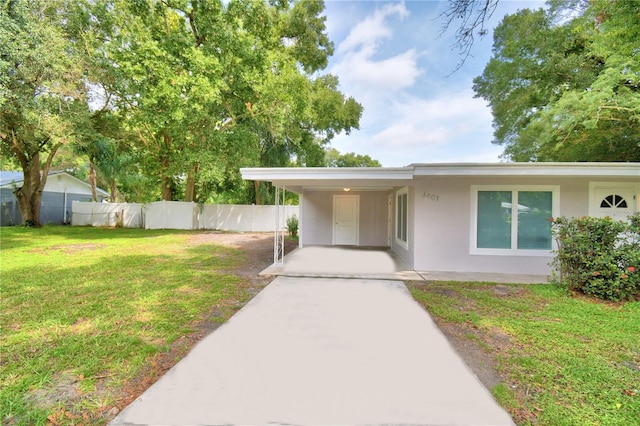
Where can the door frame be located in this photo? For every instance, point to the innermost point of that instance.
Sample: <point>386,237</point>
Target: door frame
<point>356,198</point>
<point>613,186</point>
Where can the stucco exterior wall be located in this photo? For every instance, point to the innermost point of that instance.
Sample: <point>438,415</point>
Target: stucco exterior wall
<point>317,217</point>
<point>443,223</point>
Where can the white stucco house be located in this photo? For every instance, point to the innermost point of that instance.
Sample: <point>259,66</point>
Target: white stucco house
<point>455,217</point>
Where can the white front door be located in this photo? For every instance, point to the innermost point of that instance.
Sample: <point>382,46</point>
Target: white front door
<point>618,201</point>
<point>346,212</point>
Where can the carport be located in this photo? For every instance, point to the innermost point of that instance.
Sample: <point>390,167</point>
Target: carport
<point>349,207</point>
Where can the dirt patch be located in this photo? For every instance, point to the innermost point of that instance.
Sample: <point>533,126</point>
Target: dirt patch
<point>470,345</point>
<point>69,248</point>
<point>63,389</point>
<point>505,290</point>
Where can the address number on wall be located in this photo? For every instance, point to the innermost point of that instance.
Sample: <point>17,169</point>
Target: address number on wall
<point>430,196</point>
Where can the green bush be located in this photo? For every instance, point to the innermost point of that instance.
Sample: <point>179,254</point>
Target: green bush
<point>292,225</point>
<point>599,256</point>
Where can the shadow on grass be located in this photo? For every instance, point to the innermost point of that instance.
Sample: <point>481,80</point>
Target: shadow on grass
<point>12,237</point>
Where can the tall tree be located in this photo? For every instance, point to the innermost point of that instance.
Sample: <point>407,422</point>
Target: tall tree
<point>208,87</point>
<point>42,90</point>
<point>566,89</point>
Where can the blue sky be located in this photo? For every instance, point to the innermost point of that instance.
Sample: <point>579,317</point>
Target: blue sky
<point>392,58</point>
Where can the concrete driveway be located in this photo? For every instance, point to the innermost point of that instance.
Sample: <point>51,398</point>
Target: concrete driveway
<point>321,351</point>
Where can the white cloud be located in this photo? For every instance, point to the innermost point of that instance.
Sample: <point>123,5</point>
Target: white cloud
<point>357,65</point>
<point>452,127</point>
<point>407,134</point>
<point>389,57</point>
<point>369,32</point>
<point>434,121</point>
<point>364,74</point>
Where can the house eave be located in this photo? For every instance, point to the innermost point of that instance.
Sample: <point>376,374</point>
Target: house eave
<point>529,169</point>
<point>17,183</point>
<point>326,173</point>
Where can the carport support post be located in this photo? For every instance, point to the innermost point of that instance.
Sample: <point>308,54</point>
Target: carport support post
<point>278,236</point>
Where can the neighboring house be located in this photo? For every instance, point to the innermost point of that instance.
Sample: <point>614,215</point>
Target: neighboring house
<point>455,217</point>
<point>59,192</point>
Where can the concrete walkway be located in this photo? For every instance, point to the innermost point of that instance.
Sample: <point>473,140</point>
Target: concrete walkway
<point>324,352</point>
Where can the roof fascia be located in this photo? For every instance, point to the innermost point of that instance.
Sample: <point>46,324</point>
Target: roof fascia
<point>57,173</point>
<point>283,174</point>
<point>530,169</point>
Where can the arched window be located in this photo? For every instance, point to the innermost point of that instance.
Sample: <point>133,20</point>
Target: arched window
<point>613,201</point>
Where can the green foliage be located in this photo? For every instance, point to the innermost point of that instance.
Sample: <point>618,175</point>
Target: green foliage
<point>43,68</point>
<point>166,99</point>
<point>599,257</point>
<point>292,225</point>
<point>564,84</point>
<point>333,158</point>
<point>207,87</point>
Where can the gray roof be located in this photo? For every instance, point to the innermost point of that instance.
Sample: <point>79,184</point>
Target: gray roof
<point>9,177</point>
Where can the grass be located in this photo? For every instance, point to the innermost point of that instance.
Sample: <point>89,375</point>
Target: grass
<point>83,311</point>
<point>568,360</point>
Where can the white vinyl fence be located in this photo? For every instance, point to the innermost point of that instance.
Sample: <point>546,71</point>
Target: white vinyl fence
<point>171,215</point>
<point>181,215</point>
<point>128,215</point>
<point>231,217</point>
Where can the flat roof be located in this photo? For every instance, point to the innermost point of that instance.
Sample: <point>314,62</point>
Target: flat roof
<point>368,178</point>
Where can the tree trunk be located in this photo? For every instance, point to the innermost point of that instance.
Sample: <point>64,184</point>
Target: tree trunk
<point>29,196</point>
<point>190,191</point>
<point>256,185</point>
<point>92,181</point>
<point>112,195</point>
<point>167,186</point>
<point>166,180</point>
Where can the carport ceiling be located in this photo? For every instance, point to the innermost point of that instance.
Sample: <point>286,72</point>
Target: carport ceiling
<point>332,178</point>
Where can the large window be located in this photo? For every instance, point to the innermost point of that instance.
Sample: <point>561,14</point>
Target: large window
<point>509,220</point>
<point>402,216</point>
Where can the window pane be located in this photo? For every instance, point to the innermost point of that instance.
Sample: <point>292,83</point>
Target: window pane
<point>401,219</point>
<point>399,215</point>
<point>494,219</point>
<point>534,227</point>
<point>405,210</point>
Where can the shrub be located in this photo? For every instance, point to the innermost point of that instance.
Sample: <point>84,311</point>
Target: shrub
<point>292,225</point>
<point>599,256</point>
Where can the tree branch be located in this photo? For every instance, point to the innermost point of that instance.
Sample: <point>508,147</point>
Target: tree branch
<point>47,166</point>
<point>194,29</point>
<point>464,10</point>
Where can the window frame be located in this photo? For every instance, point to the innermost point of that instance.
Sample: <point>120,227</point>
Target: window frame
<point>515,189</point>
<point>399,240</point>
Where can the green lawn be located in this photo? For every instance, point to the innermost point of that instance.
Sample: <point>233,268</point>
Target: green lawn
<point>84,310</point>
<point>567,360</point>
